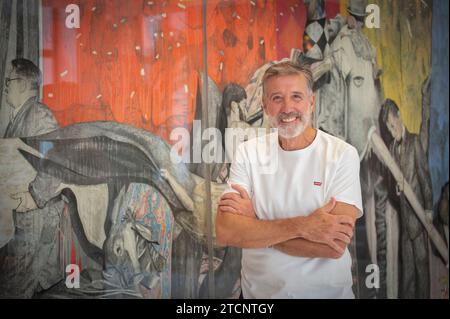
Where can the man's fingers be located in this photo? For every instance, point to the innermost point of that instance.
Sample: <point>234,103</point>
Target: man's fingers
<point>345,229</point>
<point>228,202</point>
<point>344,219</point>
<point>232,196</point>
<point>241,191</point>
<point>330,205</point>
<point>228,209</point>
<point>343,237</point>
<point>336,247</point>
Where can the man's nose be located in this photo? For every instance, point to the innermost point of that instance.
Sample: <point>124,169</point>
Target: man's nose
<point>287,106</point>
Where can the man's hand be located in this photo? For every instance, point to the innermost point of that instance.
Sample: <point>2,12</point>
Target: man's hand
<point>323,227</point>
<point>26,202</point>
<point>237,203</point>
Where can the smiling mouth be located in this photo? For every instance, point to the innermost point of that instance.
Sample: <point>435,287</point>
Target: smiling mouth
<point>289,119</point>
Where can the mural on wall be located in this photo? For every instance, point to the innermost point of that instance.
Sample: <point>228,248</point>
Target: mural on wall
<point>88,177</point>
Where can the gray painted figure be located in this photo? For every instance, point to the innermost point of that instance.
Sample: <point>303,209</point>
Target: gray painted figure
<point>113,145</point>
<point>407,150</point>
<point>30,261</point>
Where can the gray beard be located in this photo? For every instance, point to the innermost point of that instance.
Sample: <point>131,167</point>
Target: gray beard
<point>290,131</point>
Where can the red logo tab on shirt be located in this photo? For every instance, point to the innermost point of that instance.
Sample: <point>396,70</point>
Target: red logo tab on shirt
<point>317,183</point>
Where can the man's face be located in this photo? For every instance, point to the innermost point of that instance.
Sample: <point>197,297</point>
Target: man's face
<point>288,104</point>
<point>395,126</point>
<point>14,86</point>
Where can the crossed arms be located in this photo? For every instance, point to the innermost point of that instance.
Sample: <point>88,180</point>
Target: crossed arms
<point>325,233</point>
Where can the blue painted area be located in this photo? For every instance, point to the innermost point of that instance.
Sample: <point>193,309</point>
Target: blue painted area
<point>44,147</point>
<point>438,149</point>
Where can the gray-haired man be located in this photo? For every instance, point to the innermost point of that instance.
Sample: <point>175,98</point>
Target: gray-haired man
<point>30,261</point>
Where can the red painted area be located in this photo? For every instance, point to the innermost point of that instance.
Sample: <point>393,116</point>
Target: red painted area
<point>73,253</point>
<point>291,20</point>
<point>332,8</point>
<point>138,62</point>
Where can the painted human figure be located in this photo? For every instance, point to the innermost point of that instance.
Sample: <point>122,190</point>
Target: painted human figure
<point>234,115</point>
<point>408,152</point>
<point>30,262</point>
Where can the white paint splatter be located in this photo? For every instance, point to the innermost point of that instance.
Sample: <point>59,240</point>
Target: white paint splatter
<point>186,89</point>
<point>171,33</point>
<point>142,72</point>
<point>94,8</point>
<point>409,28</point>
<point>50,95</point>
<point>78,36</point>
<point>178,44</point>
<point>132,94</point>
<point>94,52</point>
<point>109,53</point>
<point>64,73</point>
<point>253,3</point>
<point>157,57</point>
<point>221,66</point>
<point>164,15</point>
<point>138,48</point>
<point>98,97</point>
<point>182,6</point>
<point>261,42</point>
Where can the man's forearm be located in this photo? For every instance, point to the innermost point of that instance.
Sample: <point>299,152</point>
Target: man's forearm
<point>246,232</point>
<point>300,247</point>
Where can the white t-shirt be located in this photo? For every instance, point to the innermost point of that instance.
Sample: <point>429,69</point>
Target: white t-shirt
<point>285,184</point>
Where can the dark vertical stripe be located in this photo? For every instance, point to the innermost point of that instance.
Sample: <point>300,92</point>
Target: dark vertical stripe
<point>438,141</point>
<point>207,167</point>
<point>19,28</point>
<point>5,24</point>
<point>32,45</point>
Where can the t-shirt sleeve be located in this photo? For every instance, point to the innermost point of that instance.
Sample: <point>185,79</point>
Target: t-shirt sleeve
<point>239,172</point>
<point>346,186</point>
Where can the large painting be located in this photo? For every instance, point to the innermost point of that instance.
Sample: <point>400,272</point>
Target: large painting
<point>102,194</point>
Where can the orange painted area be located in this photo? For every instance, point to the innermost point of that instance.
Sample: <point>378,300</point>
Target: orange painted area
<point>138,62</point>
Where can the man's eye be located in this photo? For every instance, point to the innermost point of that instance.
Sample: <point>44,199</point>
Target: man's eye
<point>276,98</point>
<point>297,97</point>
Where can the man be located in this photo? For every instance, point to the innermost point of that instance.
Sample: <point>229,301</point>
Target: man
<point>28,116</point>
<point>408,152</point>
<point>29,262</point>
<point>293,222</point>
